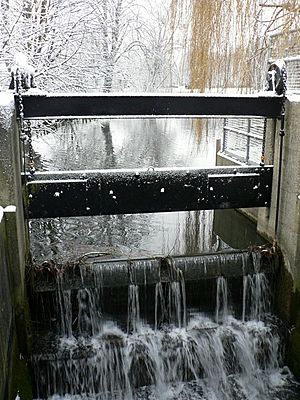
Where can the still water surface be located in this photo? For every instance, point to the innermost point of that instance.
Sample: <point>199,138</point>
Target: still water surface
<point>146,143</point>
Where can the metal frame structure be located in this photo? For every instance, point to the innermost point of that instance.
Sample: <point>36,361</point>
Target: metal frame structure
<point>103,192</point>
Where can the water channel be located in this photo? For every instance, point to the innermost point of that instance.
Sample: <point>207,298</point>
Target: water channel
<point>212,339</point>
<point>128,144</point>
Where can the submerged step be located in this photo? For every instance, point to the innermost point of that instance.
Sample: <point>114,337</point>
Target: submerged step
<point>119,272</point>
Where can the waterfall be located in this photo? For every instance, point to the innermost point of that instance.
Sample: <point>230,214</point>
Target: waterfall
<point>180,353</point>
<point>133,315</point>
<point>64,306</point>
<point>256,293</point>
<point>170,299</point>
<point>114,363</point>
<point>221,300</point>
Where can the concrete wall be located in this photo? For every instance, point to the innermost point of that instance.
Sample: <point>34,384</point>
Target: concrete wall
<point>13,244</point>
<point>10,181</point>
<point>288,234</point>
<point>14,374</point>
<point>6,314</point>
<point>287,237</point>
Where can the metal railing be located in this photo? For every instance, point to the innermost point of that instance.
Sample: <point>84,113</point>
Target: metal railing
<point>243,139</point>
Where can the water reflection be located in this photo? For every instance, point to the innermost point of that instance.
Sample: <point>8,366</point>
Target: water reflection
<point>96,144</point>
<point>92,144</point>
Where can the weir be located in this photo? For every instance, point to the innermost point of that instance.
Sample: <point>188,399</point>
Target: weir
<point>168,339</point>
<point>140,271</point>
<point>155,327</point>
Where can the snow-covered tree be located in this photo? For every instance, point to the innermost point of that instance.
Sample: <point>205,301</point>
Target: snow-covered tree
<point>87,45</point>
<point>48,32</point>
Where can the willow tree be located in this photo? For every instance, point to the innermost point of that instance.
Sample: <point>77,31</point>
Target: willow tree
<point>230,39</point>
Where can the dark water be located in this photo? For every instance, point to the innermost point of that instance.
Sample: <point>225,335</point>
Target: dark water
<point>127,144</point>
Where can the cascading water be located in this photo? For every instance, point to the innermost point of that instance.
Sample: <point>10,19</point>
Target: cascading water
<point>133,316</point>
<point>221,300</point>
<point>179,353</point>
<point>256,292</point>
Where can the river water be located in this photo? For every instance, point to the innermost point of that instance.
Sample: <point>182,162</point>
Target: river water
<point>127,144</point>
<point>105,345</point>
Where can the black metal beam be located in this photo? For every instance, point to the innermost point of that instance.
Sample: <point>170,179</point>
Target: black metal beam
<point>150,105</point>
<point>103,192</point>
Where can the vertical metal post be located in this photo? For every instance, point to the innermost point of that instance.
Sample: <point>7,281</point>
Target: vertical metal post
<point>280,161</point>
<point>248,141</point>
<point>224,135</point>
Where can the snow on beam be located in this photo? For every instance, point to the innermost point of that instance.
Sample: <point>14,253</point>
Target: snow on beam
<point>149,105</point>
<point>104,192</point>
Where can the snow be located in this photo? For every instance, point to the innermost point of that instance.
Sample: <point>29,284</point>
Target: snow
<point>293,98</point>
<point>7,107</point>
<point>285,59</point>
<point>21,62</point>
<point>6,99</point>
<point>10,209</point>
<point>137,171</point>
<point>234,175</point>
<point>263,93</point>
<point>55,181</point>
<point>279,63</point>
